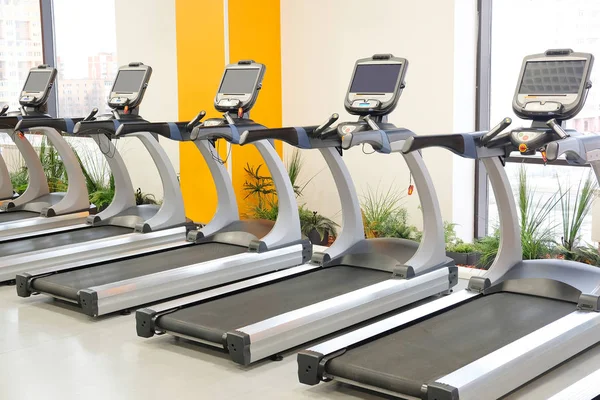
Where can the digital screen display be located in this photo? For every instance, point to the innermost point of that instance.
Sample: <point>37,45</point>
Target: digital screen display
<point>552,77</point>
<point>129,81</point>
<point>375,78</point>
<point>37,81</point>
<point>239,81</point>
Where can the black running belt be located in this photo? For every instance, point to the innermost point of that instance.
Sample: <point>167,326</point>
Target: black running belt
<point>60,239</point>
<point>209,321</point>
<point>10,216</point>
<point>403,361</point>
<point>67,284</point>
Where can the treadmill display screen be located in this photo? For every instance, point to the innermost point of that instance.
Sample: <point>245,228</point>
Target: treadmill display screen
<point>37,81</point>
<point>129,81</point>
<point>375,78</point>
<point>552,77</point>
<point>239,81</point>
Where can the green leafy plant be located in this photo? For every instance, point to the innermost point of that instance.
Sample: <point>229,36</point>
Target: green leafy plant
<point>312,221</point>
<point>587,254</point>
<point>462,247</point>
<point>54,168</point>
<point>144,198</point>
<point>19,180</point>
<point>574,213</point>
<point>384,217</point>
<point>262,190</point>
<point>537,235</point>
<point>488,247</point>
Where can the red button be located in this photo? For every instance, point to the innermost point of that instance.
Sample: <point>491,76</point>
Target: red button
<point>525,137</point>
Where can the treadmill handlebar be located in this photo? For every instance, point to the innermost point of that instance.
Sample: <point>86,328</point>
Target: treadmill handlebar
<point>379,139</point>
<point>60,124</point>
<point>577,149</point>
<point>229,132</point>
<point>171,130</point>
<point>463,144</point>
<point>104,126</point>
<point>296,136</point>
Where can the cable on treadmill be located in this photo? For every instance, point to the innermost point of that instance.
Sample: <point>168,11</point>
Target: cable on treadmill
<point>216,156</point>
<point>363,149</point>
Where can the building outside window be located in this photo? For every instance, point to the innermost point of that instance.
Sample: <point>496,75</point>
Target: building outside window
<point>86,63</point>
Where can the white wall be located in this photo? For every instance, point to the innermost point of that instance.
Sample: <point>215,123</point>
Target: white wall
<point>320,43</point>
<point>146,33</point>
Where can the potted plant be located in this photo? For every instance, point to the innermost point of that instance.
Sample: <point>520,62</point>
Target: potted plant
<point>463,253</point>
<point>316,227</point>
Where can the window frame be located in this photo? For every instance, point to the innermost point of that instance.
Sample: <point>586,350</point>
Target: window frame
<point>48,52</point>
<point>482,117</point>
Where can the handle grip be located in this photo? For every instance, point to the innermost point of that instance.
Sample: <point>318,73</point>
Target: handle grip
<point>321,128</point>
<point>557,128</point>
<point>91,115</point>
<point>192,124</point>
<point>377,139</point>
<point>107,127</point>
<point>459,143</point>
<point>4,110</point>
<point>296,136</point>
<point>505,123</point>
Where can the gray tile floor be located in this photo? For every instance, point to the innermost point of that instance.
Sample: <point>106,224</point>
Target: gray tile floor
<point>50,351</point>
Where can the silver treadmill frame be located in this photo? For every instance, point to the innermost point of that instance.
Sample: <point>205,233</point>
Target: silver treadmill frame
<point>119,295</point>
<point>501,371</point>
<point>273,335</point>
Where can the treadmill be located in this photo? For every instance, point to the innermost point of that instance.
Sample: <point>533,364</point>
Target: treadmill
<point>122,216</point>
<point>519,319</point>
<point>33,101</point>
<point>32,209</point>
<point>352,281</point>
<point>40,208</point>
<point>225,250</point>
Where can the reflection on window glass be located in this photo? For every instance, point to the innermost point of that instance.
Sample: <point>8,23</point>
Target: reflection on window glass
<point>85,55</point>
<point>20,47</point>
<point>573,24</point>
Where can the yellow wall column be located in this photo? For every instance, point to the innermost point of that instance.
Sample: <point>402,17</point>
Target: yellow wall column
<point>200,62</point>
<point>254,33</point>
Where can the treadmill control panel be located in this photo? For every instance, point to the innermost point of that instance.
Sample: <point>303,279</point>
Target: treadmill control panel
<point>239,86</point>
<point>553,85</point>
<point>37,87</point>
<point>130,86</point>
<point>376,85</point>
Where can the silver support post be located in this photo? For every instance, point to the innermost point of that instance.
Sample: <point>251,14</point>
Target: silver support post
<point>124,197</point>
<point>171,211</point>
<point>352,225</point>
<point>38,185</point>
<point>6,188</point>
<point>510,251</point>
<point>432,249</point>
<point>76,198</point>
<point>227,209</point>
<point>287,226</point>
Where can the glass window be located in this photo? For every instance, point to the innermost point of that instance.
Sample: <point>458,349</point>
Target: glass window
<point>86,63</point>
<point>523,27</point>
<point>20,34</point>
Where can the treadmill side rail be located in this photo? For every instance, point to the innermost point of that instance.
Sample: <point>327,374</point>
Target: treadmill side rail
<point>307,375</point>
<point>515,364</point>
<point>262,339</point>
<point>146,317</point>
<point>179,281</point>
<point>102,251</point>
<point>31,226</point>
